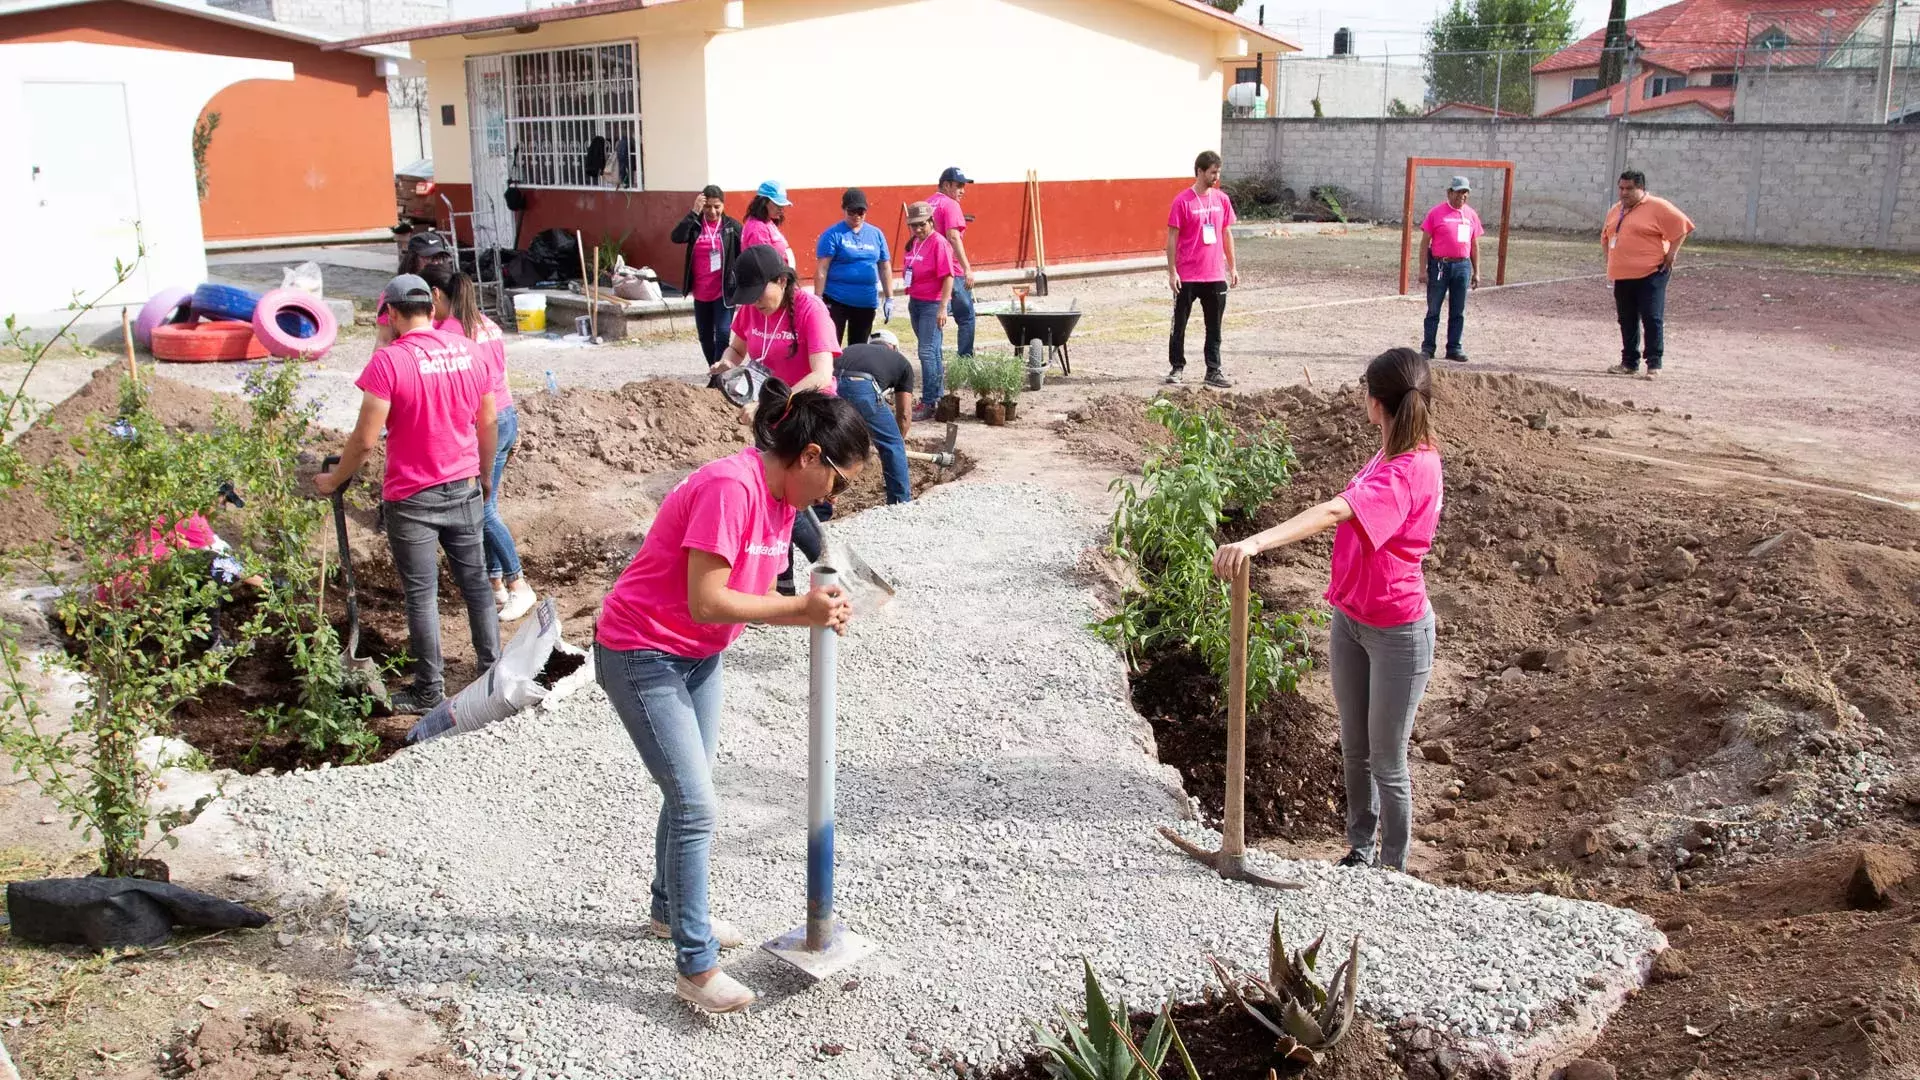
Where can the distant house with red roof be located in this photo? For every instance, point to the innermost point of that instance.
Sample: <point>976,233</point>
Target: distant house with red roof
<point>1692,55</point>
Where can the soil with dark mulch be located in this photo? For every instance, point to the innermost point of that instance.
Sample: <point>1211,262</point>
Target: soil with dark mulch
<point>1227,1044</point>
<point>1293,771</point>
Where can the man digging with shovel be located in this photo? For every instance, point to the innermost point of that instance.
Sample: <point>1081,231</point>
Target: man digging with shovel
<point>435,401</point>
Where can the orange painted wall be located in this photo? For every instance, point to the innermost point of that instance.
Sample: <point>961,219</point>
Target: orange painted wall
<point>311,156</point>
<point>1084,220</point>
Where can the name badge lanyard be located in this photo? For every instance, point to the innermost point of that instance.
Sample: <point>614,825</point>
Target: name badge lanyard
<point>712,235</point>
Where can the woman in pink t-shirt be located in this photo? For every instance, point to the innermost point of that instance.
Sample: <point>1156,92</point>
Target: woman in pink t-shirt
<point>702,573</point>
<point>765,214</point>
<point>779,327</point>
<point>931,271</point>
<point>1382,634</point>
<point>456,310</point>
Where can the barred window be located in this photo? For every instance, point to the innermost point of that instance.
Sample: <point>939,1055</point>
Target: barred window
<point>573,117</point>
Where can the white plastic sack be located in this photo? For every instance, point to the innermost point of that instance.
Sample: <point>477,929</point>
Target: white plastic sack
<point>508,686</point>
<point>305,277</point>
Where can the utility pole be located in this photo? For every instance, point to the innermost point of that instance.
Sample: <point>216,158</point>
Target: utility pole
<point>1499,59</point>
<point>1883,86</point>
<point>1633,58</point>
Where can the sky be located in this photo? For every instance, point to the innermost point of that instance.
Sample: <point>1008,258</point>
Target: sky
<point>1394,27</point>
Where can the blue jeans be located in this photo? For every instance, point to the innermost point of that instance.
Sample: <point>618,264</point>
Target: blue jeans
<point>503,558</point>
<point>925,317</point>
<point>868,400</point>
<point>962,309</point>
<point>1446,281</point>
<point>1642,302</point>
<point>671,708</point>
<point>713,321</point>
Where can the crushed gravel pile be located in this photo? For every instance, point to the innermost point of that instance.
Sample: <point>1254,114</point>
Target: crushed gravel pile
<point>997,807</point>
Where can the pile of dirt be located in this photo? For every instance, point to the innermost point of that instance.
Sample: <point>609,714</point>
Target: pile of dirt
<point>366,1041</point>
<point>24,518</point>
<point>1660,687</point>
<point>578,439</point>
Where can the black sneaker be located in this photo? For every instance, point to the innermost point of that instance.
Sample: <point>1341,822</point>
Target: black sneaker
<point>1173,378</point>
<point>1426,354</point>
<point>1623,369</point>
<point>1218,381</point>
<point>1354,858</point>
<point>1456,357</point>
<point>413,701</point>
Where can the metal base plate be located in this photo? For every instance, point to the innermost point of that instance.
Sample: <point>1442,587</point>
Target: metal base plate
<point>844,949</point>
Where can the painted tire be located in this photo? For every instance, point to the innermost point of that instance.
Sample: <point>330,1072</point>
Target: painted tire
<point>167,306</point>
<point>205,342</point>
<point>281,316</point>
<point>212,301</point>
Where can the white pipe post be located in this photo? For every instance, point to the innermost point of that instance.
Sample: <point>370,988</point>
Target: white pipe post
<point>822,698</point>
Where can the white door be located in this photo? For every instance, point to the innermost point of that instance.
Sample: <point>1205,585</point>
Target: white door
<point>487,130</point>
<point>85,206</point>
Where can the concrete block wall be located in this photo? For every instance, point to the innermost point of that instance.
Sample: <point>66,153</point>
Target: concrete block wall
<point>1803,185</point>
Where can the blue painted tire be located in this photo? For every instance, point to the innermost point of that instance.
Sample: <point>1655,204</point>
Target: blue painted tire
<point>212,301</point>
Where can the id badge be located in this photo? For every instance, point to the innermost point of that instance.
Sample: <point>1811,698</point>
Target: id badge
<point>1207,234</point>
<point>1613,241</point>
<point>713,259</point>
<point>909,277</point>
<point>1462,232</point>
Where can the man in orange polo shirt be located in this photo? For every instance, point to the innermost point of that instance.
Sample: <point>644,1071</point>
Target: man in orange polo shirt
<point>1640,238</point>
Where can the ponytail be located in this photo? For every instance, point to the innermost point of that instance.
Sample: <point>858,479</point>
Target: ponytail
<point>1402,382</point>
<point>462,302</point>
<point>786,423</point>
<point>792,280</point>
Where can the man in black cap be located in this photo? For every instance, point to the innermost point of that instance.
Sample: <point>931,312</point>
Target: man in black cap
<point>950,222</point>
<point>713,243</point>
<point>878,382</point>
<point>434,397</point>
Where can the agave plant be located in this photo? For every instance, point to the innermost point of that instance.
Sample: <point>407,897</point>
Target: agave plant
<point>1100,1050</point>
<point>1308,1017</point>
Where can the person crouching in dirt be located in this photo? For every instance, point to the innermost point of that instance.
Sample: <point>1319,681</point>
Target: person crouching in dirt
<point>185,552</point>
<point>878,381</point>
<point>456,310</point>
<point>434,398</point>
<point>1382,640</point>
<point>701,574</point>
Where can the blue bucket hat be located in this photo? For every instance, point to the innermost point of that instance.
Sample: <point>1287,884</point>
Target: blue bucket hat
<point>775,191</point>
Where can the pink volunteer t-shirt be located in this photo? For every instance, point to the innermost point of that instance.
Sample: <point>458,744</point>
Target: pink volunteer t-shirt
<point>756,232</point>
<point>724,509</point>
<point>1194,258</point>
<point>1376,554</point>
<point>771,339</point>
<point>1451,231</point>
<point>927,262</point>
<point>947,215</point>
<point>491,348</point>
<point>434,385</point>
<point>706,268</point>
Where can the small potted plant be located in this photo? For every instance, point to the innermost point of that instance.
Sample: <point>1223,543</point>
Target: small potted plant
<point>984,380</point>
<point>959,370</point>
<point>1013,378</point>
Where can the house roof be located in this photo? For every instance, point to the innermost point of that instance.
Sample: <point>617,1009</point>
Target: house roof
<point>1692,35</point>
<point>1715,99</point>
<point>527,21</point>
<point>198,10</point>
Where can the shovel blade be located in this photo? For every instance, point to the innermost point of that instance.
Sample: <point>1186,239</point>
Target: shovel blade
<point>866,589</point>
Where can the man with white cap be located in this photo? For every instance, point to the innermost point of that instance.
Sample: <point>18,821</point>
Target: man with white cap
<point>1450,255</point>
<point>434,397</point>
<point>878,381</point>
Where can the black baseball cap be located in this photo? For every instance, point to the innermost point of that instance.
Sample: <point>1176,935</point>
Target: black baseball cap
<point>854,199</point>
<point>953,175</point>
<point>427,243</point>
<point>755,267</point>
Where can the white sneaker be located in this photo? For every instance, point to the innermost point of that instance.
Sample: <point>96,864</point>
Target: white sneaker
<point>519,600</point>
<point>725,934</point>
<point>499,594</point>
<point>722,993</point>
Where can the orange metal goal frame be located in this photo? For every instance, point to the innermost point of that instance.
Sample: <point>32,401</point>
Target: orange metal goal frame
<point>1506,209</point>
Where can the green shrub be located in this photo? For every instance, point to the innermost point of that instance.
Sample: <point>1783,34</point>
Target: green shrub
<point>1166,527</point>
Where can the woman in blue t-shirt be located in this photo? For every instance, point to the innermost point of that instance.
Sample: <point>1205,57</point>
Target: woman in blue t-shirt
<point>854,271</point>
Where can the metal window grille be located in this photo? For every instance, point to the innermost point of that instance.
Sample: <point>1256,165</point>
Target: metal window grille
<point>573,117</point>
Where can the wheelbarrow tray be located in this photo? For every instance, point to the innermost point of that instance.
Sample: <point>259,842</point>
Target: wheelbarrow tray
<point>1051,328</point>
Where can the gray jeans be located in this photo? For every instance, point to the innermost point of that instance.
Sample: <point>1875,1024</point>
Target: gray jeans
<point>451,516</point>
<point>1379,675</point>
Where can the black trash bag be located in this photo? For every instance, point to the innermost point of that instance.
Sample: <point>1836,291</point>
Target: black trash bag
<point>558,252</point>
<point>116,913</point>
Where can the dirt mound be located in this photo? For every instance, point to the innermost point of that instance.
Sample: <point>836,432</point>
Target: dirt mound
<point>578,439</point>
<point>24,519</point>
<point>368,1039</point>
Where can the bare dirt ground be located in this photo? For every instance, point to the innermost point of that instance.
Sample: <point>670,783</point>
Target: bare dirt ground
<point>1716,745</point>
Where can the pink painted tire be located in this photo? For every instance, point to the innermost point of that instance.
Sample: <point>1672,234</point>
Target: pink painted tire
<point>280,339</point>
<point>166,306</point>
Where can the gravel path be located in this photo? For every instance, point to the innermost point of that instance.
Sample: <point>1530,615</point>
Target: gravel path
<point>996,817</point>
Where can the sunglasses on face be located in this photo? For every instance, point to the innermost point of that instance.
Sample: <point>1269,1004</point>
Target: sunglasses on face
<point>840,481</point>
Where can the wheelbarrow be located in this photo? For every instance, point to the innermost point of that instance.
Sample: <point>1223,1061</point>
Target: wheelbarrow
<point>1050,328</point>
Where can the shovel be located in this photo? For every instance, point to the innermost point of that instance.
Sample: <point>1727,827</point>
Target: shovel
<point>866,589</point>
<point>1039,237</point>
<point>363,672</point>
